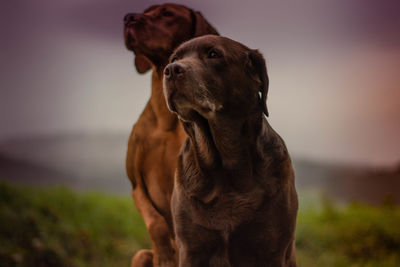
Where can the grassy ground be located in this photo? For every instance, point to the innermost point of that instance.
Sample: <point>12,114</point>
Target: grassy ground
<point>58,227</point>
<point>351,235</point>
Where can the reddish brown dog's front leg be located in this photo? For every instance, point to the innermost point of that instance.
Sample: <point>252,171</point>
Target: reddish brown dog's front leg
<point>142,258</point>
<point>163,245</point>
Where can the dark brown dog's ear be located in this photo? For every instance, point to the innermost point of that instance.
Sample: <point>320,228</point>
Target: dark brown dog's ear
<point>258,69</point>
<point>201,26</point>
<point>142,63</point>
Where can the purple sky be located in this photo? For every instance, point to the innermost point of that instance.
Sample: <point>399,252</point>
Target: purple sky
<point>334,68</point>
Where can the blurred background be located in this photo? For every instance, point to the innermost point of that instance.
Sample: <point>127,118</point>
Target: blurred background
<point>69,95</point>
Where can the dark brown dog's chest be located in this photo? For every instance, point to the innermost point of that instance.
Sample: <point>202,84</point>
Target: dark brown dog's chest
<point>223,207</point>
<point>239,220</point>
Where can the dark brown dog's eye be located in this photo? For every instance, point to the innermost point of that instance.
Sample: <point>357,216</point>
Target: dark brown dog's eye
<point>174,59</point>
<point>214,54</point>
<point>167,13</point>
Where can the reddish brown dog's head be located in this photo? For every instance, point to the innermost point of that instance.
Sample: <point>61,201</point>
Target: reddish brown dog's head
<point>213,75</point>
<point>154,34</point>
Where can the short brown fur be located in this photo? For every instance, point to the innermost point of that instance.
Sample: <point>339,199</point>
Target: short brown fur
<point>157,135</point>
<point>234,201</point>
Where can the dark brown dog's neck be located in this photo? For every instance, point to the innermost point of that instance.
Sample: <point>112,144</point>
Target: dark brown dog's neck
<point>166,120</point>
<point>224,141</point>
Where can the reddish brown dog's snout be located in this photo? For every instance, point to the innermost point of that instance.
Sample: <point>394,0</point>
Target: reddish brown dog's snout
<point>174,71</point>
<point>131,18</point>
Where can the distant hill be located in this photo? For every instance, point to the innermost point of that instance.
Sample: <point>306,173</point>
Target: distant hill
<point>97,162</point>
<point>350,183</point>
<point>84,162</point>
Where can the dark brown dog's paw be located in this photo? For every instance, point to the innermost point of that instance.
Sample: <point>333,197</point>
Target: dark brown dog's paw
<point>143,258</point>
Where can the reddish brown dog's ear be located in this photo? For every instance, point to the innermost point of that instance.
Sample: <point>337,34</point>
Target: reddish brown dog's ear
<point>256,64</point>
<point>201,26</point>
<point>142,63</point>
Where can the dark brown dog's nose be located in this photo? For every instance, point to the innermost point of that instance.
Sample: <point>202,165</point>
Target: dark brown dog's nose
<point>131,17</point>
<point>174,70</point>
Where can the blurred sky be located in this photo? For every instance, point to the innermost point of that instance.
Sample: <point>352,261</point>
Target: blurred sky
<point>334,70</point>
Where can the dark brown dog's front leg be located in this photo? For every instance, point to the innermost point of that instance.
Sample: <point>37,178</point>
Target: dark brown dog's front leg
<point>197,245</point>
<point>160,234</point>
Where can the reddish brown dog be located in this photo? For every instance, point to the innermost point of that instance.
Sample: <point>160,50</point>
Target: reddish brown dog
<point>157,136</point>
<point>234,201</point>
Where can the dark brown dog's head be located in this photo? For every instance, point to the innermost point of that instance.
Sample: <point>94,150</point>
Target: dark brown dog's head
<point>154,34</point>
<point>213,75</point>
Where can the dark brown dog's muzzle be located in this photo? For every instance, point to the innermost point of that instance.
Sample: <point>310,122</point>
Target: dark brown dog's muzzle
<point>174,71</point>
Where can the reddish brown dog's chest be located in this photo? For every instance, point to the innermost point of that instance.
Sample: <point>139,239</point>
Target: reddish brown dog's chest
<point>155,161</point>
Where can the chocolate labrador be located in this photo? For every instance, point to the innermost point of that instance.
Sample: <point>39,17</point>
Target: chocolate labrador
<point>157,136</point>
<point>234,201</point>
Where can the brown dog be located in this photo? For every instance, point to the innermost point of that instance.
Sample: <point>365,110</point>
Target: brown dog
<point>234,201</point>
<point>157,136</point>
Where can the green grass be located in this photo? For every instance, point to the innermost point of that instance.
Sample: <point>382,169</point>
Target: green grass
<point>58,227</point>
<point>348,235</point>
